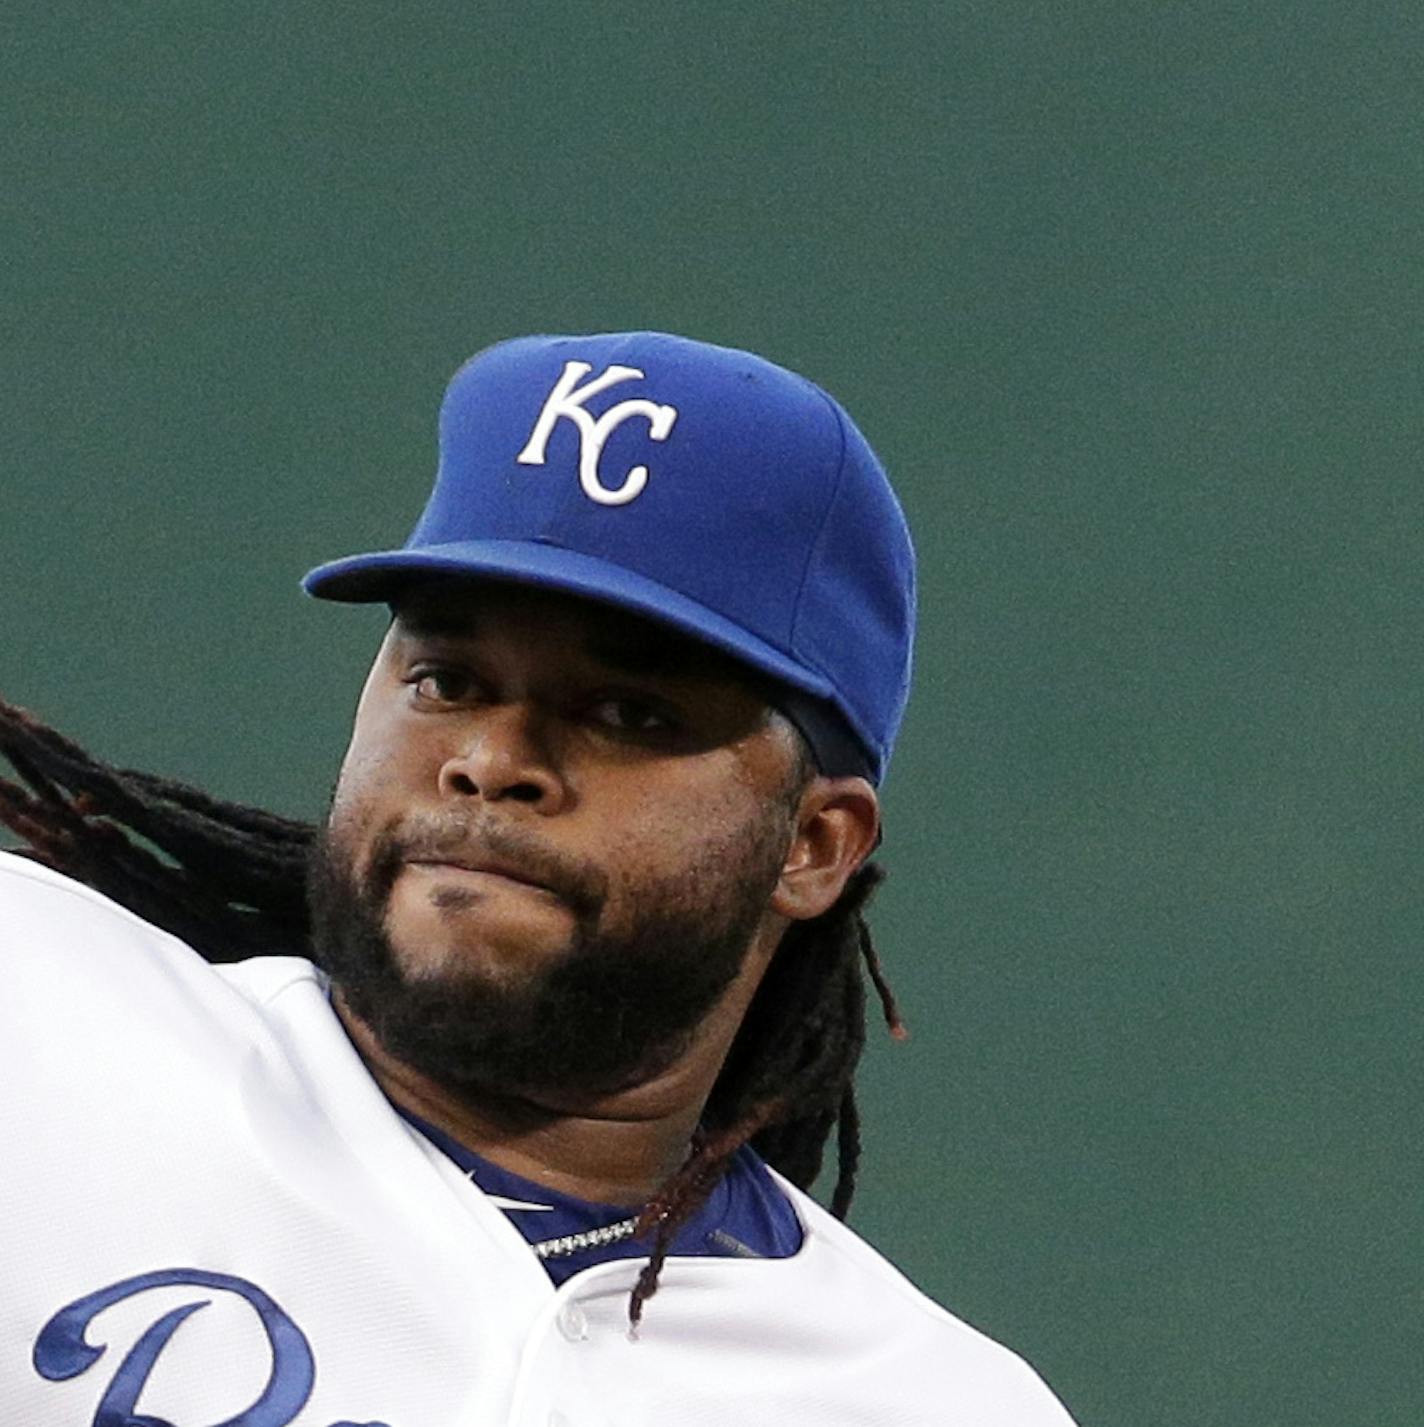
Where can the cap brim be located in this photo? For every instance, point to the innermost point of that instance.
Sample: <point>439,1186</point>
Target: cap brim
<point>377,577</point>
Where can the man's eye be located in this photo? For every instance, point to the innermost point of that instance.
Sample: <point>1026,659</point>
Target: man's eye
<point>633,716</point>
<point>435,684</point>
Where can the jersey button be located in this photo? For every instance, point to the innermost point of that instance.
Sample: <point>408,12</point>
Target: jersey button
<point>573,1323</point>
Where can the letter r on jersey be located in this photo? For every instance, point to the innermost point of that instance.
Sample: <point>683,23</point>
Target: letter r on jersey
<point>567,399</point>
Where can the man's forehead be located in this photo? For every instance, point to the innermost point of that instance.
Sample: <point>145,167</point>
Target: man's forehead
<point>468,609</point>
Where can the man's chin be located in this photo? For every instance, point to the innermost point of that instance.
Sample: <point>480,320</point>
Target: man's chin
<point>525,993</point>
<point>472,939</point>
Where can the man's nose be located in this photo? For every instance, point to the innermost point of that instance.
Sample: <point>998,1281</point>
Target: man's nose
<point>504,754</point>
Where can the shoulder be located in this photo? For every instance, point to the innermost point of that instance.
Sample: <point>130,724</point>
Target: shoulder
<point>948,1360</point>
<point>50,920</point>
<point>66,948</point>
<point>23,880</point>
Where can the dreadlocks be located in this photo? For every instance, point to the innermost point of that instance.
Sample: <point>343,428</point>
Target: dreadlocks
<point>231,882</point>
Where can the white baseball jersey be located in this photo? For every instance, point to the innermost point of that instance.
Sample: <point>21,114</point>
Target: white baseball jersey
<point>210,1214</point>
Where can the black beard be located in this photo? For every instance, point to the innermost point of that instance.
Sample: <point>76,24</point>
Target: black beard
<point>608,1012</point>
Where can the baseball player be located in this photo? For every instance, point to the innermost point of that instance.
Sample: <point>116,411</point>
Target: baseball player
<point>496,1099</point>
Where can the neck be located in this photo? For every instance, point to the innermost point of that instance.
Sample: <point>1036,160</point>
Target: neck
<point>617,1149</point>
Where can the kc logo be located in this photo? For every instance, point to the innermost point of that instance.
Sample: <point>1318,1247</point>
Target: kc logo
<point>567,399</point>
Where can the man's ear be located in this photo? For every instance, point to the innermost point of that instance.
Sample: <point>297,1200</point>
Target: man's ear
<point>837,827</point>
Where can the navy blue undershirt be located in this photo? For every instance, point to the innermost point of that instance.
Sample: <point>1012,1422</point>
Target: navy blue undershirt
<point>745,1216</point>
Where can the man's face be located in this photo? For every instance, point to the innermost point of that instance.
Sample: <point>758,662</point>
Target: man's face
<point>555,836</point>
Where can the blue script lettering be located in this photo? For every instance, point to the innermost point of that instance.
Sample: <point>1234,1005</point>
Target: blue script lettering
<point>61,1351</point>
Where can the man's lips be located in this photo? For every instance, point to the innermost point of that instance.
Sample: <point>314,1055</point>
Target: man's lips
<point>471,855</point>
<point>484,866</point>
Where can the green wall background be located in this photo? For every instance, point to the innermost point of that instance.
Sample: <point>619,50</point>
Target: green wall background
<point>1128,296</point>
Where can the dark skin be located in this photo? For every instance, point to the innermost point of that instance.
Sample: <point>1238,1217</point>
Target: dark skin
<point>613,747</point>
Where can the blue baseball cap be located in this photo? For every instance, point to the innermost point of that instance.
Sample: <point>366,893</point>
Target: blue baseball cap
<point>699,486</point>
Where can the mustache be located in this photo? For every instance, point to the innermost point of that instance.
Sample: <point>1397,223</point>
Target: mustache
<point>429,838</point>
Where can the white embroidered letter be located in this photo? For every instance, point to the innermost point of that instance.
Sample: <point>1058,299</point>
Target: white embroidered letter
<point>567,399</point>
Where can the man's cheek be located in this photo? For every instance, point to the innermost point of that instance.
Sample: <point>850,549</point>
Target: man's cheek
<point>372,787</point>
